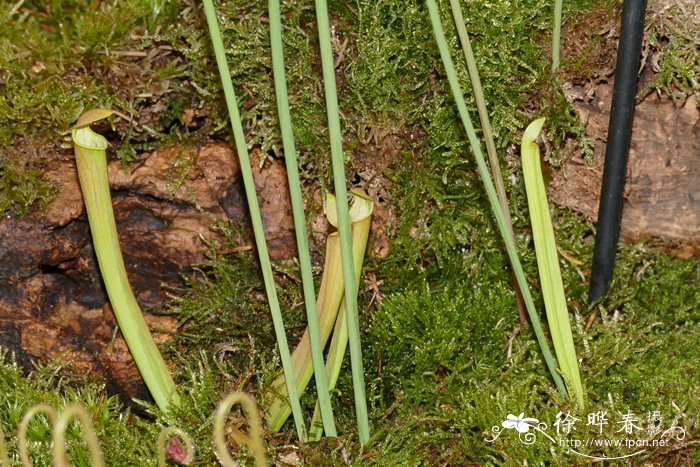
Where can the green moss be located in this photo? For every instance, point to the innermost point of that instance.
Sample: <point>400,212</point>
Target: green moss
<point>436,346</point>
<point>439,373</point>
<point>446,379</point>
<point>58,59</point>
<point>678,76</point>
<point>39,42</point>
<point>125,441</point>
<point>245,30</point>
<point>20,189</point>
<point>672,51</point>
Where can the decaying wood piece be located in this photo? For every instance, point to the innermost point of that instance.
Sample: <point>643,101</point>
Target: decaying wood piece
<point>662,193</point>
<point>53,306</point>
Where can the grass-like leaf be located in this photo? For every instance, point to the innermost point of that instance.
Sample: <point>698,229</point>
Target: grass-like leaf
<point>556,34</point>
<point>255,216</point>
<point>337,160</point>
<point>488,135</point>
<point>491,192</point>
<point>548,260</point>
<point>290,159</point>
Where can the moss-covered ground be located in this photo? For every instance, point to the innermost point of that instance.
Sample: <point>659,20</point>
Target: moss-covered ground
<point>445,357</point>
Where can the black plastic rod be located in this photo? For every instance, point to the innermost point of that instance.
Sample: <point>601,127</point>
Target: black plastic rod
<point>617,149</point>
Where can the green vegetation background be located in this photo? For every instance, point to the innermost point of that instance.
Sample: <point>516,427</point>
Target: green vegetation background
<point>436,343</point>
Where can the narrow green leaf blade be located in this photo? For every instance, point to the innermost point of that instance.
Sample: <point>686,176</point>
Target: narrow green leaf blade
<point>491,192</point>
<point>290,159</point>
<point>338,163</point>
<point>255,216</point>
<point>556,34</point>
<point>548,261</point>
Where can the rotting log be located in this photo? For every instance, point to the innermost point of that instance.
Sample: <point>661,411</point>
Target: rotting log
<point>53,306</point>
<point>662,195</point>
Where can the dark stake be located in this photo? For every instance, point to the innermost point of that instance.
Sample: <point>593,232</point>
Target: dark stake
<point>619,132</point>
